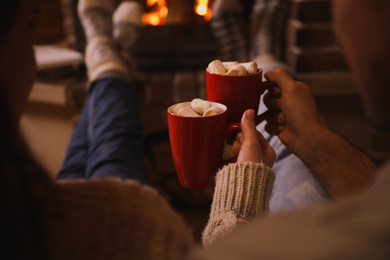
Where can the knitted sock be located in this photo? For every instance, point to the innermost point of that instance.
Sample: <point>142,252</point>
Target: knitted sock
<point>227,26</point>
<point>127,27</point>
<point>268,25</point>
<point>101,55</point>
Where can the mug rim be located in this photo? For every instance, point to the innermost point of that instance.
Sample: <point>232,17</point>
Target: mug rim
<point>246,75</point>
<point>200,117</point>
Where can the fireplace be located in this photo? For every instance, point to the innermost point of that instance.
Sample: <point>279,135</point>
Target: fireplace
<point>181,29</point>
<point>176,34</point>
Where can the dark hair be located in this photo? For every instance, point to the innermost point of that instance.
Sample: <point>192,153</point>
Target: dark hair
<point>20,176</point>
<point>18,173</point>
<point>8,12</point>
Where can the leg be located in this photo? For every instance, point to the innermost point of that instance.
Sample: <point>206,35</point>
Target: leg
<point>95,16</point>
<point>75,162</point>
<point>108,139</point>
<point>114,131</point>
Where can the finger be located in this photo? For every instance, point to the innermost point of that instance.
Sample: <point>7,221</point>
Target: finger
<point>269,154</point>
<point>271,103</point>
<point>248,126</point>
<point>303,85</point>
<point>282,79</point>
<point>263,142</point>
<point>275,92</point>
<point>277,119</point>
<point>266,98</point>
<point>273,129</point>
<point>240,137</point>
<point>236,148</point>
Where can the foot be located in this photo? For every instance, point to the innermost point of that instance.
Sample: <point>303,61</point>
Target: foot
<point>268,26</point>
<point>102,59</point>
<point>96,17</point>
<point>101,55</point>
<point>127,27</point>
<point>227,26</point>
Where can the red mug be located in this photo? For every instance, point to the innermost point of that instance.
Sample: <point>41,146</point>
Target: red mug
<point>238,93</point>
<point>197,145</point>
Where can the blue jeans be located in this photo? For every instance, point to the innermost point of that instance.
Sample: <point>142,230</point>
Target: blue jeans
<point>108,139</point>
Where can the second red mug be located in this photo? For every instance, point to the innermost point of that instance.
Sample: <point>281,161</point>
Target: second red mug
<point>238,93</point>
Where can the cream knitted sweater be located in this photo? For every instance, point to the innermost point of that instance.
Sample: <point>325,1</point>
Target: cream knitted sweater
<point>242,192</point>
<point>114,219</point>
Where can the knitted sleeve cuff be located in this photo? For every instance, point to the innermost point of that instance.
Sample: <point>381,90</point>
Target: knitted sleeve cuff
<point>242,192</point>
<point>244,188</point>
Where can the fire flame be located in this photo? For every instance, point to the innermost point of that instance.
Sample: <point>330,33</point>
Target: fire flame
<point>159,11</point>
<point>202,8</point>
<point>158,15</point>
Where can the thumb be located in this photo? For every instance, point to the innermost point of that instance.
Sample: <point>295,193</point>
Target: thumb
<point>248,125</point>
<point>254,147</point>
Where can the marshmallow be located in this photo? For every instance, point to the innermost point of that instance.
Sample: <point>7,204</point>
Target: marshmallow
<point>177,108</point>
<point>216,67</point>
<point>212,111</point>
<point>200,106</point>
<point>197,108</point>
<point>229,64</point>
<point>251,67</point>
<point>237,70</point>
<point>187,111</point>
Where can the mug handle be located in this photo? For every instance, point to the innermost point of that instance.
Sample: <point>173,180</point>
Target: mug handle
<point>231,132</point>
<point>263,116</point>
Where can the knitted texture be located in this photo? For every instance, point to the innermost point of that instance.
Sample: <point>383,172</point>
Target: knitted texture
<point>95,16</point>
<point>268,25</point>
<point>120,219</point>
<point>127,24</point>
<point>242,192</point>
<point>112,219</point>
<point>227,27</point>
<point>101,55</point>
<point>127,27</point>
<point>102,58</point>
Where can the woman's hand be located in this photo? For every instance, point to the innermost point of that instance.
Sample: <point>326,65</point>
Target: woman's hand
<point>295,115</point>
<point>250,145</point>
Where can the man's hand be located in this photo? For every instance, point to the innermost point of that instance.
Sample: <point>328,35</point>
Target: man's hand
<point>295,112</point>
<point>340,167</point>
<point>250,145</point>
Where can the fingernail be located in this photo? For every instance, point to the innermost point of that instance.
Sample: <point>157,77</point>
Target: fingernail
<point>250,114</point>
